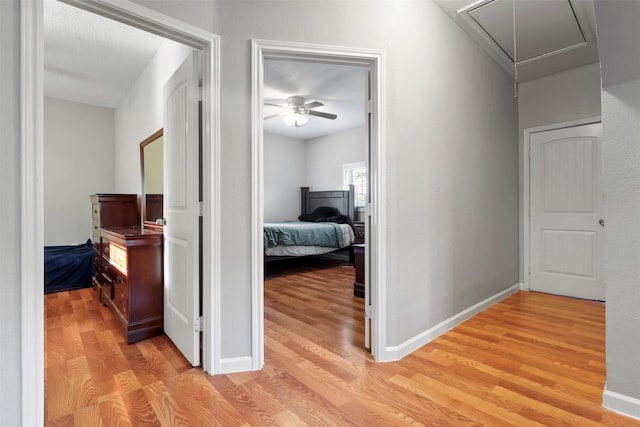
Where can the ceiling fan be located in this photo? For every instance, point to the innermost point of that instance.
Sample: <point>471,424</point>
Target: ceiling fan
<point>297,112</point>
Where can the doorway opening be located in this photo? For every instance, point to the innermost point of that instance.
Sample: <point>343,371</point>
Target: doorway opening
<point>32,123</point>
<point>372,213</point>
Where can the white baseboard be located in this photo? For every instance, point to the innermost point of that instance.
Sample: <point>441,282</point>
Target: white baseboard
<point>523,287</point>
<point>621,403</point>
<point>236,364</point>
<point>398,352</point>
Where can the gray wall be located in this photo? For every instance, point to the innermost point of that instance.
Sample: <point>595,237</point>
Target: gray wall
<point>618,33</point>
<point>325,156</point>
<point>452,176</point>
<point>140,113</point>
<point>284,174</point>
<point>78,162</point>
<point>10,232</point>
<point>569,95</point>
<point>291,163</point>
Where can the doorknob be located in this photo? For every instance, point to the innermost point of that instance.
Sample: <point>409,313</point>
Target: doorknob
<point>601,222</point>
<point>161,221</point>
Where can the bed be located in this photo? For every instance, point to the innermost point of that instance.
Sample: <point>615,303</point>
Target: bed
<point>68,267</point>
<point>325,226</point>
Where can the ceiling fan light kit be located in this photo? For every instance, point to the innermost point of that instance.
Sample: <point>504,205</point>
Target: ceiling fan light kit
<point>298,112</point>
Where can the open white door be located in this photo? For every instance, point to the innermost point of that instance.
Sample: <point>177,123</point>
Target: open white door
<point>182,209</point>
<point>566,225</point>
<point>367,219</point>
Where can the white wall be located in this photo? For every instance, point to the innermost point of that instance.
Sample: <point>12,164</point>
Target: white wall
<point>78,162</point>
<point>284,174</point>
<point>140,113</point>
<point>325,156</point>
<point>291,163</point>
<point>621,160</point>
<point>618,33</point>
<point>569,95</point>
<point>10,226</point>
<point>452,178</point>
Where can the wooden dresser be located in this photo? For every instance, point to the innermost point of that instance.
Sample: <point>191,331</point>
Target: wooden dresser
<point>132,279</point>
<point>110,210</point>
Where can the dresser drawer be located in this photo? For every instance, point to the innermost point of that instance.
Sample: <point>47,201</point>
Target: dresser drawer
<point>121,295</point>
<point>97,261</point>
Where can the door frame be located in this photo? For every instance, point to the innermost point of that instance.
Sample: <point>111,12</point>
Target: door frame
<point>376,237</point>
<point>526,209</point>
<point>32,217</point>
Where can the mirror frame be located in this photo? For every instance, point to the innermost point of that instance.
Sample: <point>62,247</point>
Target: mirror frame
<point>143,197</point>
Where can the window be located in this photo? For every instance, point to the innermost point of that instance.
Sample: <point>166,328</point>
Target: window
<point>356,174</point>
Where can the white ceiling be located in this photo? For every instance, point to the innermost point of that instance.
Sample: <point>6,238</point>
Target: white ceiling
<point>94,60</point>
<point>91,59</point>
<point>550,35</point>
<point>340,87</point>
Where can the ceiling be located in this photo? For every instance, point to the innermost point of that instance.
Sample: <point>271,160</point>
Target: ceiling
<point>340,87</point>
<point>94,60</point>
<point>550,35</point>
<point>91,59</point>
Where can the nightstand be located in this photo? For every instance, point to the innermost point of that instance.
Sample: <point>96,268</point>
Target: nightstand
<point>358,263</point>
<point>358,229</point>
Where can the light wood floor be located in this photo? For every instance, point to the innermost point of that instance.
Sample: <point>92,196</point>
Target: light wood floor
<point>533,359</point>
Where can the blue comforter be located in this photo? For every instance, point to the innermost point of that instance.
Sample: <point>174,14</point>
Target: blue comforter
<point>67,267</point>
<point>326,234</point>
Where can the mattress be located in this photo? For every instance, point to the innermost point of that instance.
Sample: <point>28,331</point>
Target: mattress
<point>288,247</point>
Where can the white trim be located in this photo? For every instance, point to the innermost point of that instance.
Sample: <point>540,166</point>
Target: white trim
<point>231,365</point>
<point>377,238</point>
<point>399,351</point>
<point>620,403</point>
<point>526,191</point>
<point>32,213</point>
<point>32,208</point>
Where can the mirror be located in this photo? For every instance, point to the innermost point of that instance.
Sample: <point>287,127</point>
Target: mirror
<point>151,168</point>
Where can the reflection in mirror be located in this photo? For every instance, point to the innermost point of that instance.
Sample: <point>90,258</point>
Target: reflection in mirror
<point>152,180</point>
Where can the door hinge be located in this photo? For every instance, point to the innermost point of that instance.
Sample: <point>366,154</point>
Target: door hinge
<point>197,326</point>
<point>201,208</point>
<point>367,312</point>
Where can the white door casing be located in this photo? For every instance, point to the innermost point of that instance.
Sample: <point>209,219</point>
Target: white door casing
<point>181,208</point>
<point>367,217</point>
<point>32,56</point>
<point>376,213</point>
<point>566,237</point>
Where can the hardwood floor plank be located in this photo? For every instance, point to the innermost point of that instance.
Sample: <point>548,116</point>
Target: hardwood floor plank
<point>532,359</point>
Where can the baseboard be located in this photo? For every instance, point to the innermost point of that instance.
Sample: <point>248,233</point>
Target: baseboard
<point>236,364</point>
<point>621,403</point>
<point>398,352</point>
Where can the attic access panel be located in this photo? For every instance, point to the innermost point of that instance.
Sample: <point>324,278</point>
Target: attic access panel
<point>542,27</point>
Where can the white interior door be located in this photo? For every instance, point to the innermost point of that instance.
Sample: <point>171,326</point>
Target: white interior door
<point>566,209</point>
<point>367,219</point>
<point>181,209</point>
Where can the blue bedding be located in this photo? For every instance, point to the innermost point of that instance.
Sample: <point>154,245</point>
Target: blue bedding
<point>326,234</point>
<point>67,267</point>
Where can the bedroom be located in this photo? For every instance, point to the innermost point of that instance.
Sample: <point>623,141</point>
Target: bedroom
<point>421,225</point>
<point>320,155</point>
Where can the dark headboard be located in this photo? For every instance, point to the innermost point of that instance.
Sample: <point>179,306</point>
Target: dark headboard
<point>343,200</point>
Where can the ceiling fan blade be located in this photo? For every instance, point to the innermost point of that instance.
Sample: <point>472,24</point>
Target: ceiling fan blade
<point>314,104</point>
<point>323,115</point>
<point>276,105</point>
<point>284,113</point>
